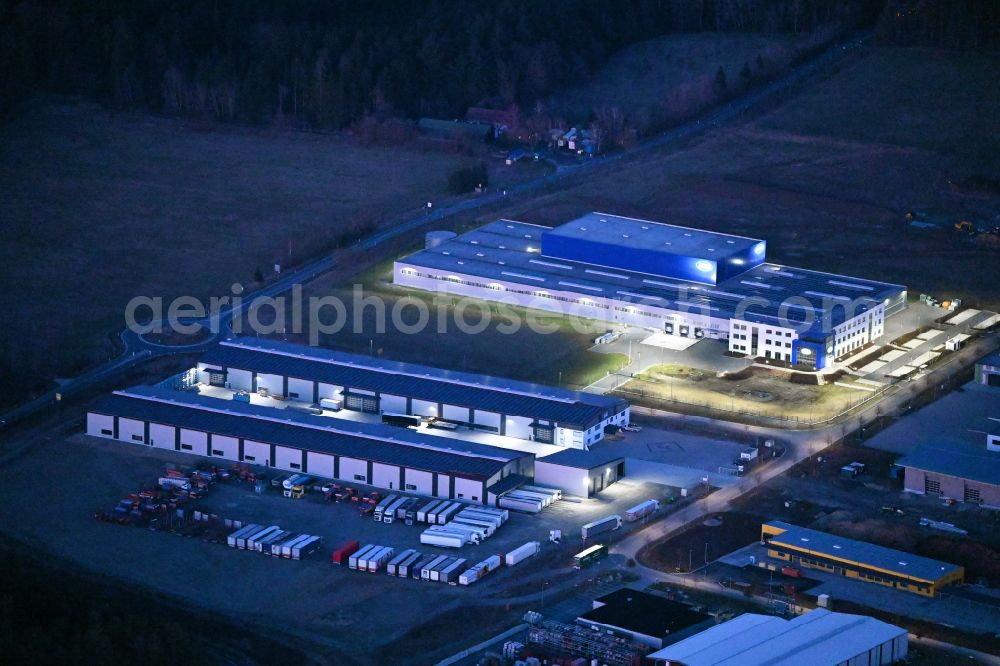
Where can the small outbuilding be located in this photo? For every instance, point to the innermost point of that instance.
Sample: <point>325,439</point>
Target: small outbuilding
<point>579,472</point>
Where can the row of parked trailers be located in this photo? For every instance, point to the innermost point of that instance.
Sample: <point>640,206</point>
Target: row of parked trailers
<point>411,563</point>
<point>415,510</point>
<point>529,499</point>
<point>274,541</point>
<point>472,524</point>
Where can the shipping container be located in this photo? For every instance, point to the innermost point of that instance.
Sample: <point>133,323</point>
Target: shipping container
<point>522,553</point>
<point>344,551</point>
<point>393,564</point>
<point>423,511</point>
<point>641,510</point>
<point>353,558</point>
<point>305,548</point>
<point>601,526</point>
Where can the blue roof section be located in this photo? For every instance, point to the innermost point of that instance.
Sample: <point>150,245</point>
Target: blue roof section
<point>482,392</point>
<point>366,441</point>
<point>510,251</point>
<point>888,559</point>
<point>630,232</point>
<point>977,464</point>
<point>581,459</point>
<point>990,359</point>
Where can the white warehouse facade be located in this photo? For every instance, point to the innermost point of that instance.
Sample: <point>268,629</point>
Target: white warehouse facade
<point>505,407</point>
<point>685,282</point>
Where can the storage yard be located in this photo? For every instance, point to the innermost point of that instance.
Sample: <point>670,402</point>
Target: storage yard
<point>97,474</point>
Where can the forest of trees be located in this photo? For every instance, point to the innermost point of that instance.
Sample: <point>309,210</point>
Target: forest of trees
<point>330,63</point>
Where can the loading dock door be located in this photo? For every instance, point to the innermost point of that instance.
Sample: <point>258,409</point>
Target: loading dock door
<point>993,379</point>
<point>216,377</point>
<point>361,403</point>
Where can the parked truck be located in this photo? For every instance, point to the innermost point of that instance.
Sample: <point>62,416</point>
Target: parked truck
<point>417,567</point>
<point>389,513</point>
<point>242,542</point>
<point>353,558</point>
<point>264,545</point>
<point>445,514</point>
<point>174,483</point>
<point>518,504</point>
<point>425,571</point>
<point>487,527</point>
<point>404,568</point>
<point>233,539</point>
<point>278,546</point>
<point>555,493</point>
<point>451,573</point>
<point>382,506</point>
<point>305,548</point>
<point>475,533</point>
<point>378,561</point>
<point>491,518</point>
<point>544,498</point>
<point>434,573</point>
<point>286,548</point>
<point>521,553</point>
<point>251,543</point>
<point>392,567</point>
<point>444,539</point>
<point>601,526</point>
<point>476,572</point>
<point>341,554</point>
<point>296,480</point>
<point>641,510</point>
<point>427,509</point>
<point>331,404</point>
<point>405,507</point>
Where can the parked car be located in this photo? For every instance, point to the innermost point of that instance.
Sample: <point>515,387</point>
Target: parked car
<point>632,428</point>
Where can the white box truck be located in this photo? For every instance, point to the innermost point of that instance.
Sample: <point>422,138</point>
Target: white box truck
<point>641,510</point>
<point>241,533</point>
<point>444,539</point>
<point>423,511</point>
<point>356,556</point>
<point>381,507</point>
<point>521,553</point>
<point>389,512</point>
<point>331,404</point>
<point>601,526</point>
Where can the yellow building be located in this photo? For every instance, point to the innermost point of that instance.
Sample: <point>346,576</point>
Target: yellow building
<point>801,546</point>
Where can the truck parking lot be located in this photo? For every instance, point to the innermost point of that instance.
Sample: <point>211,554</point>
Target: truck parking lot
<point>304,598</point>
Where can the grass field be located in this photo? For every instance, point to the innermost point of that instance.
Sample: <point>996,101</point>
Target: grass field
<point>98,208</point>
<point>527,345</point>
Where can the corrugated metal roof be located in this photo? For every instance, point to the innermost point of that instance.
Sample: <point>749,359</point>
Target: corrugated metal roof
<point>817,638</point>
<point>889,559</point>
<point>482,392</point>
<point>581,459</point>
<point>365,441</point>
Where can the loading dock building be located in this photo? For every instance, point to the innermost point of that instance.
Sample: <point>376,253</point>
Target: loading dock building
<point>858,559</point>
<point>579,473</point>
<point>506,407</point>
<point>685,282</point>
<point>368,453</point>
<point>817,638</point>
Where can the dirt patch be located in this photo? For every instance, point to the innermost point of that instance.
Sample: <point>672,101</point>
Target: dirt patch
<point>690,548</point>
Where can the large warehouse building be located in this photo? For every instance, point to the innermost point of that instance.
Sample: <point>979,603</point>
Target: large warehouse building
<point>816,638</point>
<point>368,453</point>
<point>858,559</point>
<point>505,407</point>
<point>686,282</point>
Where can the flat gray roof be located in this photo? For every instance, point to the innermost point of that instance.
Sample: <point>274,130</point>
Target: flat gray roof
<point>973,464</point>
<point>483,392</point>
<point>509,251</point>
<point>861,552</point>
<point>365,441</point>
<point>631,232</point>
<point>581,459</point>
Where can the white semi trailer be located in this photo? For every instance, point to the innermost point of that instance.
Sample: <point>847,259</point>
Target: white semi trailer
<point>601,526</point>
